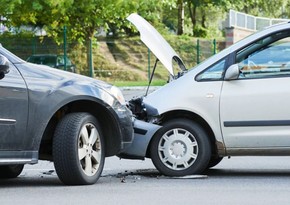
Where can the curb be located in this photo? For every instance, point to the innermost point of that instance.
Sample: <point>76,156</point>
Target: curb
<point>139,88</point>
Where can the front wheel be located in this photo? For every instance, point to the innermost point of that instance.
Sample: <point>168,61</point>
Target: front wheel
<point>181,147</point>
<point>78,149</point>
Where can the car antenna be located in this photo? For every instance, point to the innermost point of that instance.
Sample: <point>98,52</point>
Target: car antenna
<point>151,77</point>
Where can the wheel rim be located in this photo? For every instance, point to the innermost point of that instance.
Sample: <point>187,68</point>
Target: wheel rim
<point>178,149</point>
<point>89,149</point>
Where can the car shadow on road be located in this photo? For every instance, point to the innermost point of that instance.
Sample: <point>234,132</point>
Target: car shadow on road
<point>30,182</point>
<point>29,178</point>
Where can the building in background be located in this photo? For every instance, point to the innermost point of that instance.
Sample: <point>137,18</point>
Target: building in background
<point>239,25</point>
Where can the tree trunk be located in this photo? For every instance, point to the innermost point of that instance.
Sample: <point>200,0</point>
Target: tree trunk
<point>203,18</point>
<point>180,26</point>
<point>192,11</point>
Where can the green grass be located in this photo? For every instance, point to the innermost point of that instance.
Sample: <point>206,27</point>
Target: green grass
<point>138,83</point>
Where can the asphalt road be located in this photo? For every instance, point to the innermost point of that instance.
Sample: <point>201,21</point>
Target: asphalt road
<point>248,180</point>
<point>134,92</point>
<point>239,180</point>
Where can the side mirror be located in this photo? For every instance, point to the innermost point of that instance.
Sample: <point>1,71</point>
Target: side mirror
<point>4,66</point>
<point>232,72</point>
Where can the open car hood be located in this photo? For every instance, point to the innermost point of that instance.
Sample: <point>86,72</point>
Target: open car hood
<point>156,43</point>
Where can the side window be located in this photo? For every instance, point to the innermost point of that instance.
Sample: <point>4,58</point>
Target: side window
<point>60,60</point>
<point>68,62</point>
<point>269,57</point>
<point>215,72</point>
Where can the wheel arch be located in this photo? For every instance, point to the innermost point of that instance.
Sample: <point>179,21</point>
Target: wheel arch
<point>106,118</point>
<point>190,116</point>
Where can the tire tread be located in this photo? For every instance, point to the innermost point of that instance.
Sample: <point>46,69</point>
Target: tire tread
<point>65,149</point>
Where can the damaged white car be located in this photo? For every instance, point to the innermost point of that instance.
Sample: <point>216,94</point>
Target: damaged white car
<point>236,103</point>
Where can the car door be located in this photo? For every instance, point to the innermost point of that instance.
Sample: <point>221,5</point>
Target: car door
<point>14,110</point>
<point>255,108</point>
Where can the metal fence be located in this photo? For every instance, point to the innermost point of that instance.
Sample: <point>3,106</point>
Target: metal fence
<point>246,21</point>
<point>25,47</point>
<point>118,59</point>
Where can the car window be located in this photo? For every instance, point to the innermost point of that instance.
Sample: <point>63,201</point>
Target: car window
<point>265,58</point>
<point>68,61</point>
<point>44,60</point>
<point>60,60</point>
<point>214,72</point>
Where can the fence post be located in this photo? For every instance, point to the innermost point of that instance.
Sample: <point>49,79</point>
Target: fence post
<point>34,42</point>
<point>64,46</point>
<point>214,46</point>
<point>91,58</point>
<point>149,53</point>
<point>197,51</point>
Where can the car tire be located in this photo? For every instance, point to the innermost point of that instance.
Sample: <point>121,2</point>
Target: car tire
<point>78,149</point>
<point>180,147</point>
<point>214,161</point>
<point>10,171</point>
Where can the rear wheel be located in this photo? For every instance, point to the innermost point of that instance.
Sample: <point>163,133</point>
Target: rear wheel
<point>10,171</point>
<point>180,147</point>
<point>78,149</point>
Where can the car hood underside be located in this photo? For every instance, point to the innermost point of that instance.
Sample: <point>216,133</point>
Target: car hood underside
<point>156,43</point>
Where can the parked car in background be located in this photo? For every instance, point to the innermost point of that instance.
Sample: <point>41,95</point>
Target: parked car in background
<point>52,60</point>
<point>236,103</point>
<point>49,114</point>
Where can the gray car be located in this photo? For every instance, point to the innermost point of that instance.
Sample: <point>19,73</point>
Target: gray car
<point>49,114</point>
<point>236,103</point>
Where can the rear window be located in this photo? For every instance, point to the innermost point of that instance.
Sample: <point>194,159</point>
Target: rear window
<point>44,60</point>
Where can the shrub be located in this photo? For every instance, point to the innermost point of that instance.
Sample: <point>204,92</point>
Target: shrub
<point>199,31</point>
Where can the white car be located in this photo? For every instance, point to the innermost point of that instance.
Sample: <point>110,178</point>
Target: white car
<point>236,103</point>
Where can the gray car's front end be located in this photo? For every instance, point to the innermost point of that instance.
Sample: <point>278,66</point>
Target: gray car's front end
<point>54,115</point>
<point>71,92</point>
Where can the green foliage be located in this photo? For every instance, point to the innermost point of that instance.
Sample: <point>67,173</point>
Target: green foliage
<point>199,31</point>
<point>263,8</point>
<point>82,18</point>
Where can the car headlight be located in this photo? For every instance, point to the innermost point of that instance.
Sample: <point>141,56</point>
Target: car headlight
<point>116,92</point>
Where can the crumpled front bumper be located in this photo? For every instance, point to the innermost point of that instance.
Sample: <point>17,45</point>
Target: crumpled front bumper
<point>125,121</point>
<point>143,133</point>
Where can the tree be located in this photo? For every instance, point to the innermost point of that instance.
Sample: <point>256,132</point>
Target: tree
<point>7,6</point>
<point>180,25</point>
<point>271,9</point>
<point>33,13</point>
<point>82,18</point>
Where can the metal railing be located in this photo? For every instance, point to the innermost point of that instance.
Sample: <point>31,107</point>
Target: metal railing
<point>254,23</point>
